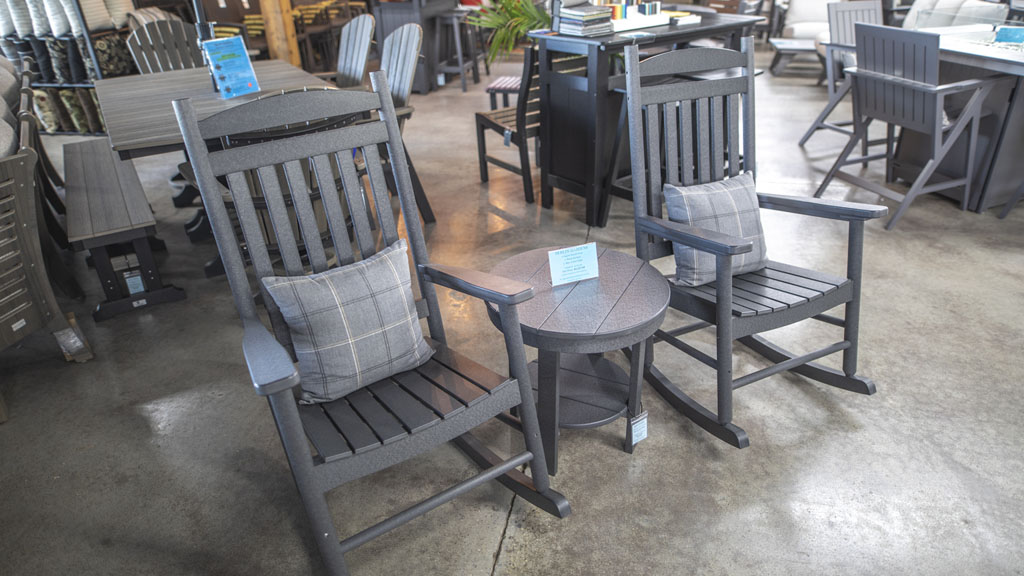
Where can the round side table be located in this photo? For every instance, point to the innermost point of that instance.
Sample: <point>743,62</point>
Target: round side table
<point>572,325</point>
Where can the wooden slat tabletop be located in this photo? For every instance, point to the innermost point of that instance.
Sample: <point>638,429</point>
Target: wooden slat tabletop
<point>626,295</point>
<point>138,112</point>
<point>104,194</point>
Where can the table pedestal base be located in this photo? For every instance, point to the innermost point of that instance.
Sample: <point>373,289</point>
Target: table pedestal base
<point>593,390</point>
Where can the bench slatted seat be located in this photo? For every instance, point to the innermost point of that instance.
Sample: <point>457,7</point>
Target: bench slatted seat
<point>106,207</point>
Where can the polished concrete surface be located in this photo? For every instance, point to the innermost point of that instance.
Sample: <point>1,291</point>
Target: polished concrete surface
<point>157,457</point>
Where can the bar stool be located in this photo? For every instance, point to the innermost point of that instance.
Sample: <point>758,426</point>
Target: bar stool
<point>456,21</point>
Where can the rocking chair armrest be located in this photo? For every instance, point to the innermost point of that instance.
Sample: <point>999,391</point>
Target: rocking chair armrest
<point>821,208</point>
<point>270,365</point>
<point>488,287</point>
<point>699,238</point>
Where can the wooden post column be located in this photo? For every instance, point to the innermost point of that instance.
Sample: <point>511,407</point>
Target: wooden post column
<point>280,31</point>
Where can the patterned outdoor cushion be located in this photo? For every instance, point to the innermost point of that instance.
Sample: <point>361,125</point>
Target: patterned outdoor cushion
<point>58,50</point>
<point>74,108</point>
<point>46,110</point>
<point>730,207</point>
<point>63,116</point>
<point>20,17</point>
<point>113,56</point>
<point>37,12</point>
<point>9,87</point>
<point>59,25</point>
<point>83,58</point>
<point>353,325</point>
<point>75,64</point>
<point>8,140</point>
<point>92,116</point>
<point>118,10</point>
<point>42,59</point>
<point>99,112</point>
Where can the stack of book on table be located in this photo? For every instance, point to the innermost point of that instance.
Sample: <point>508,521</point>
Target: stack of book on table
<point>585,20</point>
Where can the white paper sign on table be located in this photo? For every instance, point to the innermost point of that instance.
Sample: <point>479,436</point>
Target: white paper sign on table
<point>573,263</point>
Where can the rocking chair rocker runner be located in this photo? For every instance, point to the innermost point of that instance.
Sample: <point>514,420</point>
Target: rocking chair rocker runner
<point>698,125</point>
<point>397,418</point>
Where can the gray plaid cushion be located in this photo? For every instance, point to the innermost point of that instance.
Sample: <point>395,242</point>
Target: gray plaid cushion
<point>353,325</point>
<point>729,207</point>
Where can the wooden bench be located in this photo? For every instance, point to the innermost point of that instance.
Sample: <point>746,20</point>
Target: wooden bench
<point>106,208</point>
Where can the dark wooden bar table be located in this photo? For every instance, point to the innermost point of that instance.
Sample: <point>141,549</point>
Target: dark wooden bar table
<point>577,110</point>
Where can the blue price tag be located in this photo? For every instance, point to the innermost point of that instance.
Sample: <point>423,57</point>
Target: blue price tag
<point>573,263</point>
<point>1010,34</point>
<point>231,67</point>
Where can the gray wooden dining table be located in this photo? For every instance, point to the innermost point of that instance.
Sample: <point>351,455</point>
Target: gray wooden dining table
<point>137,109</point>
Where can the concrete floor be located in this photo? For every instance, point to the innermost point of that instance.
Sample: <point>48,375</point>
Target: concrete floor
<point>157,457</point>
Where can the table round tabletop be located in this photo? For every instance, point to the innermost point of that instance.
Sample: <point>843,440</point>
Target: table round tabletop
<point>625,304</point>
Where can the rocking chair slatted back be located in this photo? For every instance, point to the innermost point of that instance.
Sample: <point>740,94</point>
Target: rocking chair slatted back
<point>696,126</point>
<point>290,171</point>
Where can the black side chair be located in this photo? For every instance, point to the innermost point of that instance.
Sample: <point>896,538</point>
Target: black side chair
<point>706,129</point>
<point>516,124</point>
<point>395,419</point>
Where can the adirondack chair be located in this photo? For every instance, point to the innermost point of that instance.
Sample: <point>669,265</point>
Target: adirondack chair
<point>840,52</point>
<point>708,135</point>
<point>27,301</point>
<point>165,45</point>
<point>399,57</point>
<point>162,46</point>
<point>353,51</point>
<point>395,419</point>
<point>516,124</point>
<point>896,81</point>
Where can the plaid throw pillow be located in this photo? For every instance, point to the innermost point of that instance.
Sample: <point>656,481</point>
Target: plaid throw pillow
<point>729,207</point>
<point>353,325</point>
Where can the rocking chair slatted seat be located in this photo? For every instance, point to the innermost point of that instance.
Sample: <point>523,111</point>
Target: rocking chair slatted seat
<point>689,127</point>
<point>398,417</point>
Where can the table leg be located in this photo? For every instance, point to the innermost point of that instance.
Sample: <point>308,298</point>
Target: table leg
<point>547,405</point>
<point>635,419</point>
<point>597,85</point>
